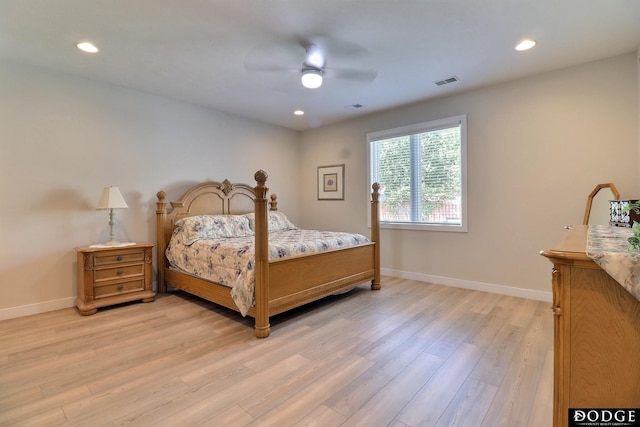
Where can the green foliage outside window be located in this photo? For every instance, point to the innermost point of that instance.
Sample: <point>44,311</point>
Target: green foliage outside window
<point>432,159</point>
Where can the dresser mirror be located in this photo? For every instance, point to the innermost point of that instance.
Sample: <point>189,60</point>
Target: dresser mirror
<point>597,211</point>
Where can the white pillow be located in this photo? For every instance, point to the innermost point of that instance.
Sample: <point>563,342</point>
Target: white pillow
<point>203,227</point>
<point>278,221</point>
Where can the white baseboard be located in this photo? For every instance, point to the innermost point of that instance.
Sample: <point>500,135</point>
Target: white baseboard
<point>467,284</point>
<point>43,307</point>
<point>39,307</point>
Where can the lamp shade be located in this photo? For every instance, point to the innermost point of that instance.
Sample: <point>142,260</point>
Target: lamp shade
<point>311,78</point>
<point>111,198</point>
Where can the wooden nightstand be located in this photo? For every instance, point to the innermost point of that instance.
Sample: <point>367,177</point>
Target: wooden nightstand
<point>114,275</point>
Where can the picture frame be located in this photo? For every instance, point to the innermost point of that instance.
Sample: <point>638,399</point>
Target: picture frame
<point>331,182</point>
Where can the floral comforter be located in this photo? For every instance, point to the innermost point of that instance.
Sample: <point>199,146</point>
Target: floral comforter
<point>231,261</point>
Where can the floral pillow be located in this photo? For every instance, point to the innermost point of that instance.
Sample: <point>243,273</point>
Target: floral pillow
<point>202,227</point>
<point>278,221</point>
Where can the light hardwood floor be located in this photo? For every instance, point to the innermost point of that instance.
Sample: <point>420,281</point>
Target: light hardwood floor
<point>412,354</point>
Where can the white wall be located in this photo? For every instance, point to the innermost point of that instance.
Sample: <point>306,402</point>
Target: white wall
<point>536,148</point>
<point>63,139</point>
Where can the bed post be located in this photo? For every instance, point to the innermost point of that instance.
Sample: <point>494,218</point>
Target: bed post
<point>161,216</point>
<point>375,235</point>
<point>262,329</point>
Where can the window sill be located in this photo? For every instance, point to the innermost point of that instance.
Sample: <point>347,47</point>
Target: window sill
<point>456,228</point>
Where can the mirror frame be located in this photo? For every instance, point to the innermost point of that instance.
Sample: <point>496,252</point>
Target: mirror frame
<point>599,187</point>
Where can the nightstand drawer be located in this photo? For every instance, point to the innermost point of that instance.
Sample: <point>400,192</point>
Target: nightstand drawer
<point>118,272</point>
<point>116,257</point>
<point>116,288</point>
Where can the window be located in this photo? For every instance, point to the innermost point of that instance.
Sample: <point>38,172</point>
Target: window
<point>422,174</point>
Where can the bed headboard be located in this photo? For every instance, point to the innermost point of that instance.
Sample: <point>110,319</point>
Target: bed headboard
<point>208,198</point>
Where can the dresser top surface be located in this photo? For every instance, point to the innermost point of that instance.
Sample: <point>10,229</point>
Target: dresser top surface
<point>573,246</point>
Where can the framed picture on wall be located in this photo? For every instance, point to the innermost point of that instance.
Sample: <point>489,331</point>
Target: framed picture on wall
<point>331,182</point>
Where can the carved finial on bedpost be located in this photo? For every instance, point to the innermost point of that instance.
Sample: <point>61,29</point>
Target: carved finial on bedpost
<point>375,194</point>
<point>260,177</point>
<point>273,204</point>
<point>160,204</point>
<point>261,189</point>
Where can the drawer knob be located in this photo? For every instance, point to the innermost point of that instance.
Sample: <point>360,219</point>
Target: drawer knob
<point>120,271</point>
<point>120,258</point>
<point>119,287</point>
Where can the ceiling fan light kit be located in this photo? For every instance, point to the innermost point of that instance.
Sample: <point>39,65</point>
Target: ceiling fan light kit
<point>311,78</point>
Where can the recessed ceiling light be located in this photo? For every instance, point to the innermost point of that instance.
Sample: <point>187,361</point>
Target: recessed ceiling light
<point>525,44</point>
<point>87,47</point>
<point>298,113</point>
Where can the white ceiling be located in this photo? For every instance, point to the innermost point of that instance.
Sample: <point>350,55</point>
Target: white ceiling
<point>204,51</point>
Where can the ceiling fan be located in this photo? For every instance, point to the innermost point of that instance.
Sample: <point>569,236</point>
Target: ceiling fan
<point>311,59</point>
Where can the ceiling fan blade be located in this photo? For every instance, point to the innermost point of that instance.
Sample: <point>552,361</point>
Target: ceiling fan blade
<point>268,68</point>
<point>337,48</point>
<point>351,74</point>
<point>275,56</point>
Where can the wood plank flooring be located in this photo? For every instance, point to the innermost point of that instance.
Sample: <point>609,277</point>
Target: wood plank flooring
<point>412,354</point>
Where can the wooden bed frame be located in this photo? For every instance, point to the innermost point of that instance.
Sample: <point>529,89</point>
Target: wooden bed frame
<point>281,284</point>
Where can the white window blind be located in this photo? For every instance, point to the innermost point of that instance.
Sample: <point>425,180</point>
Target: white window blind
<point>421,171</point>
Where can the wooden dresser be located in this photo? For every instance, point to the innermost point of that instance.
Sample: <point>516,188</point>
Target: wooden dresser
<point>596,333</point>
<point>114,275</point>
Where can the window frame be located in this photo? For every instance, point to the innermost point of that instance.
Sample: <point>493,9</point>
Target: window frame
<point>421,128</point>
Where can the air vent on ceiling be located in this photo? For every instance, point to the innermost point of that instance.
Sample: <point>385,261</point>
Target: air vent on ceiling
<point>452,79</point>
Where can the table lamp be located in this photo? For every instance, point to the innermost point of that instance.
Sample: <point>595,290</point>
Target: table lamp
<point>111,199</point>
